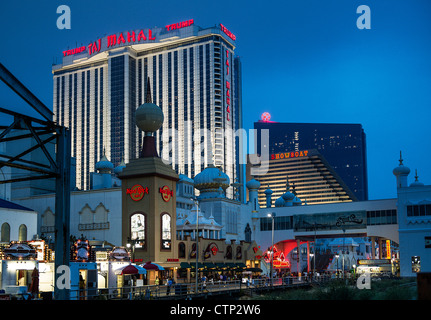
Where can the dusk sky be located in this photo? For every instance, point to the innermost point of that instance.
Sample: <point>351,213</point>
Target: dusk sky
<point>302,61</point>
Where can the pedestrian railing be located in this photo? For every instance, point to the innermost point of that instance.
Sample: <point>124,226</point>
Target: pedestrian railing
<point>189,290</point>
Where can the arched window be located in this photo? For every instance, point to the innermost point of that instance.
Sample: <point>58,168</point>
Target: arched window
<point>247,233</point>
<point>5,232</point>
<point>138,228</point>
<point>166,231</point>
<point>181,250</point>
<point>22,233</point>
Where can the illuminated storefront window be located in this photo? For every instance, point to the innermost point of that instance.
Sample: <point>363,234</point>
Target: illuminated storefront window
<point>166,231</point>
<point>137,228</point>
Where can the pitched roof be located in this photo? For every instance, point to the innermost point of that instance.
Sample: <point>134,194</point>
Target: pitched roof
<point>11,205</point>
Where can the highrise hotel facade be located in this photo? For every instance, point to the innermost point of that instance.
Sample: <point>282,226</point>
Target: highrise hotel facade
<point>193,76</point>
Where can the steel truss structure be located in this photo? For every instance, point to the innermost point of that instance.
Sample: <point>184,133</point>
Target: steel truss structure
<point>58,166</point>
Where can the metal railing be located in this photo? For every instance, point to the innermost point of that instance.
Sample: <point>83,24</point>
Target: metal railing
<point>188,290</point>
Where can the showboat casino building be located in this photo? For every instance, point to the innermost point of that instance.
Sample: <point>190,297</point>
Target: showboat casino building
<point>193,75</point>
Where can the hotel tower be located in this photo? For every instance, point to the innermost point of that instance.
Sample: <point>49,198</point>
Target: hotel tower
<point>193,76</point>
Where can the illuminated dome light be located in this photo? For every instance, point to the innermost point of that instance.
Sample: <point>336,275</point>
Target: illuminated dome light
<point>266,117</point>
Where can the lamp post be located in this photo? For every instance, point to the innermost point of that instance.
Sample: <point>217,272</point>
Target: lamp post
<point>336,256</point>
<point>131,243</point>
<point>272,215</point>
<point>197,242</point>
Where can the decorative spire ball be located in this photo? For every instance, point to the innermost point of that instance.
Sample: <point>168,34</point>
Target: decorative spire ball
<point>149,118</point>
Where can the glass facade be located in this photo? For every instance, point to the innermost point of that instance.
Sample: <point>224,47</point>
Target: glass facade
<point>187,80</point>
<point>342,145</point>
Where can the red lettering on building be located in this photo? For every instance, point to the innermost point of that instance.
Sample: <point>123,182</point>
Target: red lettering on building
<point>73,51</point>
<point>227,32</point>
<point>94,47</point>
<point>179,25</point>
<point>285,155</point>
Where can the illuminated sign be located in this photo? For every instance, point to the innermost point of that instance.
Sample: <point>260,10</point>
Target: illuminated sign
<point>19,251</point>
<point>179,25</point>
<point>388,249</point>
<point>227,86</point>
<point>125,38</point>
<point>374,261</point>
<point>227,32</point>
<point>166,193</point>
<point>137,192</point>
<point>81,251</point>
<point>279,260</point>
<point>286,155</point>
<point>73,51</point>
<point>119,254</point>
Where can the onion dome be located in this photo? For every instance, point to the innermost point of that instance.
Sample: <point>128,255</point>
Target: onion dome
<point>104,165</point>
<point>253,184</point>
<point>211,178</point>
<point>416,183</point>
<point>120,167</point>
<point>297,201</point>
<point>401,169</point>
<point>288,196</point>
<point>279,202</point>
<point>268,191</point>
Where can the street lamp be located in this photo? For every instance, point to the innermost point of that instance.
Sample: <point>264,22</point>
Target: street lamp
<point>272,215</point>
<point>336,256</point>
<point>131,243</point>
<point>195,200</point>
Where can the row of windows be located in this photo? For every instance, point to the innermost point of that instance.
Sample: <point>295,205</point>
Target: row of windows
<point>377,217</point>
<point>419,210</point>
<point>5,233</point>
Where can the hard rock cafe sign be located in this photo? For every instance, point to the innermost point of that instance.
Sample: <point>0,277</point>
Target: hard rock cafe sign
<point>166,193</point>
<point>137,192</point>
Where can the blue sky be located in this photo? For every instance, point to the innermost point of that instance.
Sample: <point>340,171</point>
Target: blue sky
<point>303,61</point>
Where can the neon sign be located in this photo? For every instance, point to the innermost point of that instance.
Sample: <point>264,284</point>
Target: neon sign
<point>227,87</point>
<point>227,32</point>
<point>73,51</point>
<point>279,260</point>
<point>137,192</point>
<point>179,25</point>
<point>166,193</point>
<point>129,37</point>
<point>286,155</point>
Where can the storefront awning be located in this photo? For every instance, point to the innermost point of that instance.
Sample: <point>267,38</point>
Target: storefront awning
<point>210,265</point>
<point>241,265</point>
<point>185,265</point>
<point>200,265</point>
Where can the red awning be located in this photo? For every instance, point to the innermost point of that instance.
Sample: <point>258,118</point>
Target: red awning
<point>131,269</point>
<point>152,266</point>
